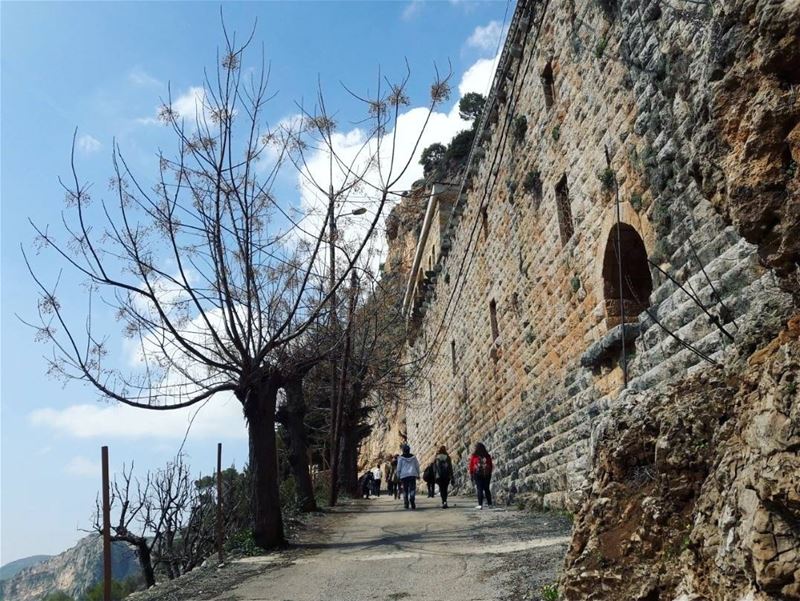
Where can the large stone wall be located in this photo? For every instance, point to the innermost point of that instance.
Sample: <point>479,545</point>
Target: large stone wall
<point>643,130</point>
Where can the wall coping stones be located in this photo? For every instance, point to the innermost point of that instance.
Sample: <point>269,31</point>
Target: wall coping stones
<point>610,345</point>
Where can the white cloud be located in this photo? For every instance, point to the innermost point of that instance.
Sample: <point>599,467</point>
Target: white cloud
<point>139,77</point>
<point>88,144</point>
<point>412,10</point>
<point>479,76</point>
<point>191,103</point>
<point>221,417</point>
<point>486,38</point>
<point>81,466</point>
<point>189,106</point>
<point>441,127</point>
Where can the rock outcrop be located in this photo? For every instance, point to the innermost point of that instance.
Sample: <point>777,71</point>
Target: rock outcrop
<point>695,489</point>
<point>74,571</point>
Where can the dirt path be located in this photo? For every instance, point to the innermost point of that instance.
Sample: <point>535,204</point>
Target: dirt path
<point>385,553</point>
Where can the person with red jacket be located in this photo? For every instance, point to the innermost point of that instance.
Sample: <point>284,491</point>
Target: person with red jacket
<point>480,470</point>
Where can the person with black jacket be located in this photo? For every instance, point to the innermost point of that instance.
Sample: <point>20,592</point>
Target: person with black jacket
<point>428,478</point>
<point>443,473</point>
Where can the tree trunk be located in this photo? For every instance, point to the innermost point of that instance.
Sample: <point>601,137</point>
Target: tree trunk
<point>348,474</point>
<point>145,561</point>
<point>293,419</point>
<point>351,438</point>
<point>259,410</point>
<point>337,409</point>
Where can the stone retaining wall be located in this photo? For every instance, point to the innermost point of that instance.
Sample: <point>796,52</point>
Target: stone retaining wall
<point>629,127</point>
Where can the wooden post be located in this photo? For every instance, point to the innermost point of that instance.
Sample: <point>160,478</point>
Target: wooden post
<point>106,529</point>
<point>219,503</point>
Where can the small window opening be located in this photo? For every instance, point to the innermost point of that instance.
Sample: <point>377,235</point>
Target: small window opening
<point>453,355</point>
<point>637,283</point>
<point>485,222</point>
<point>493,319</point>
<point>564,211</point>
<point>547,85</point>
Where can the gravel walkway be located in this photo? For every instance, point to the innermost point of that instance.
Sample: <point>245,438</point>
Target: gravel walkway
<point>376,550</point>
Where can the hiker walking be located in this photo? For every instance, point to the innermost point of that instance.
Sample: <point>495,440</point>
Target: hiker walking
<point>443,473</point>
<point>480,470</point>
<point>366,484</point>
<point>408,474</point>
<point>387,475</point>
<point>428,478</point>
<point>376,480</point>
<point>395,478</point>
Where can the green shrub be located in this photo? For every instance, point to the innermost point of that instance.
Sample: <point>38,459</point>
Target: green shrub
<point>607,178</point>
<point>575,283</point>
<point>556,133</point>
<point>119,590</point>
<point>520,128</point>
<point>460,145</point>
<point>550,592</point>
<point>243,543</point>
<point>636,201</point>
<point>533,182</point>
<point>600,48</point>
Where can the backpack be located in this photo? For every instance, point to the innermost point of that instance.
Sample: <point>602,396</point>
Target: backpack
<point>427,475</point>
<point>483,469</point>
<point>441,469</point>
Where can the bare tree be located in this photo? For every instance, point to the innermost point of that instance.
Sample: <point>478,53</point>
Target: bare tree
<point>372,172</point>
<point>145,510</point>
<point>211,276</point>
<point>169,518</point>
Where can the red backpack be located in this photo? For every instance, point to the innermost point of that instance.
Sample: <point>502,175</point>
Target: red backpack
<point>484,467</point>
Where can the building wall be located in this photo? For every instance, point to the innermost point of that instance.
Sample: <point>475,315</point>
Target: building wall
<point>627,93</point>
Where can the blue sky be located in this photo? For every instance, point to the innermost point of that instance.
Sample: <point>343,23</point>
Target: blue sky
<point>103,67</point>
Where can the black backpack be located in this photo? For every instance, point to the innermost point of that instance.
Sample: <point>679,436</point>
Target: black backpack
<point>427,475</point>
<point>442,470</point>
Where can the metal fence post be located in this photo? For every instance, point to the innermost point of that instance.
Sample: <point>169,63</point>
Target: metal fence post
<point>106,528</point>
<point>219,503</point>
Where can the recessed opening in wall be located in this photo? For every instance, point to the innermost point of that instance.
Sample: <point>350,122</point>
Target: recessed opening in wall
<point>453,355</point>
<point>563,210</point>
<point>547,85</point>
<point>485,222</point>
<point>636,281</point>
<point>493,319</point>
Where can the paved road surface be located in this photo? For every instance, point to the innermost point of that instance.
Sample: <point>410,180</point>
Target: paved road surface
<point>383,552</point>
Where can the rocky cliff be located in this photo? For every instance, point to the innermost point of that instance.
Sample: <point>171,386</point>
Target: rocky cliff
<point>12,567</point>
<point>696,488</point>
<point>73,571</point>
<point>403,227</point>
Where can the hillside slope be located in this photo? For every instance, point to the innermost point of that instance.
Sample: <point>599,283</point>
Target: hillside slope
<point>10,569</point>
<point>73,571</point>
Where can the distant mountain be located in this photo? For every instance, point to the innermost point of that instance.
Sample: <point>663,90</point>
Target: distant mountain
<point>73,571</point>
<point>12,567</point>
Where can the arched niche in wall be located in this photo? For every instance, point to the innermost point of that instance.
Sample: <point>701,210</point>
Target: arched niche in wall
<point>627,283</point>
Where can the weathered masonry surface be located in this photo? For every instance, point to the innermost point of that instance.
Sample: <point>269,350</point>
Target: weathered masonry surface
<point>595,174</point>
